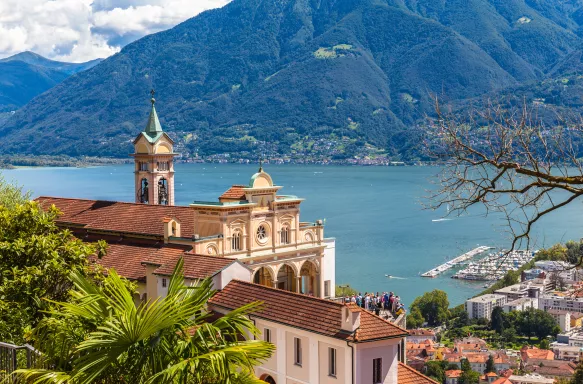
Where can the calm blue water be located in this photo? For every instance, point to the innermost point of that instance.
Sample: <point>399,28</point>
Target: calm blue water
<point>373,212</point>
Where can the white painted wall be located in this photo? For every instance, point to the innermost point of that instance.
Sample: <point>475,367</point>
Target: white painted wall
<point>329,265</point>
<point>235,271</point>
<point>366,352</point>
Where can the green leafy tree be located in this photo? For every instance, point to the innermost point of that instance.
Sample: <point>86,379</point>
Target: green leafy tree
<point>509,335</point>
<point>544,344</point>
<point>465,365</point>
<point>415,318</point>
<point>436,370</point>
<point>433,306</point>
<point>490,367</point>
<point>469,377</point>
<point>497,322</point>
<point>574,252</point>
<point>36,260</point>
<point>101,336</point>
<point>578,375</point>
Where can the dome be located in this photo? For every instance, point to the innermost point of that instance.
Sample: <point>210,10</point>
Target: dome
<point>261,180</point>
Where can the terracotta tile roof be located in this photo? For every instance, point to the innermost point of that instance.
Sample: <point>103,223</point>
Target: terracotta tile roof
<point>374,327</point>
<point>305,312</point>
<point>453,373</point>
<point>491,374</point>
<point>236,192</point>
<point>535,353</point>
<point>120,217</point>
<point>197,266</point>
<point>127,257</point>
<point>407,375</point>
<point>502,380</point>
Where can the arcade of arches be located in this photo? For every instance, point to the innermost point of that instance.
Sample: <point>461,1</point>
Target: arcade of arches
<point>301,277</point>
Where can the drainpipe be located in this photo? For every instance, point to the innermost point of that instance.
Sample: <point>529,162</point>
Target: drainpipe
<point>353,370</point>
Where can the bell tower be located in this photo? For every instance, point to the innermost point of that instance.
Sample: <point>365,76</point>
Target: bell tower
<point>154,163</point>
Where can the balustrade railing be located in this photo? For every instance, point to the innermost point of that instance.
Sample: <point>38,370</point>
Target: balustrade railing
<point>13,357</point>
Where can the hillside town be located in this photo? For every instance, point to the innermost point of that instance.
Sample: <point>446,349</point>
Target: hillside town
<point>553,287</point>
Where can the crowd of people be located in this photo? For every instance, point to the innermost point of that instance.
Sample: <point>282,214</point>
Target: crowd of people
<point>386,301</point>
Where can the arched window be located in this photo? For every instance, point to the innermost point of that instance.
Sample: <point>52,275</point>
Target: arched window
<point>163,191</point>
<point>236,244</point>
<point>143,192</point>
<point>285,234</point>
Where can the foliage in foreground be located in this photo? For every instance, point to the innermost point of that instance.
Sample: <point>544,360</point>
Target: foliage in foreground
<point>102,336</point>
<point>36,260</point>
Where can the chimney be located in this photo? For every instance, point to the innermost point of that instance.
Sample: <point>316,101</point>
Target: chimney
<point>350,318</point>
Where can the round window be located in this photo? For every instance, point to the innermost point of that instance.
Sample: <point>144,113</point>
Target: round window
<point>262,234</point>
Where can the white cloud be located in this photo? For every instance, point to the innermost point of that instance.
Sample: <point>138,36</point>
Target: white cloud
<point>81,30</point>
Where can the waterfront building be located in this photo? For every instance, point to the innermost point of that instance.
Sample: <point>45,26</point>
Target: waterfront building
<point>521,304</point>
<point>560,301</point>
<point>254,246</point>
<point>531,274</point>
<point>553,265</point>
<point>482,306</point>
<point>532,288</point>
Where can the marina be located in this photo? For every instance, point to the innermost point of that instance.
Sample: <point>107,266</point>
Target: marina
<point>454,262</point>
<point>494,266</point>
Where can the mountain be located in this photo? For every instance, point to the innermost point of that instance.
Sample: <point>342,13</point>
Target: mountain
<point>27,75</point>
<point>287,72</point>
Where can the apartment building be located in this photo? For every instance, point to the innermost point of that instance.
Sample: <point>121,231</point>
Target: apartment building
<point>482,306</point>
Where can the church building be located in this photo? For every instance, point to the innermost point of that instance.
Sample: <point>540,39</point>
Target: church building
<point>254,246</point>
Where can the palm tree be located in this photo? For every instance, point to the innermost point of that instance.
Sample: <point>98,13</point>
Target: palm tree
<point>101,336</point>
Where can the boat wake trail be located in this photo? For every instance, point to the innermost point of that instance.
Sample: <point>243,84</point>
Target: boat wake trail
<point>444,219</point>
<point>395,277</point>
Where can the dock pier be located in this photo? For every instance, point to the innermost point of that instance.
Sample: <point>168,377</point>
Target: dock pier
<point>452,263</point>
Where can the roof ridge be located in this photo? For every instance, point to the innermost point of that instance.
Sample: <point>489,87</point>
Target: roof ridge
<point>401,364</point>
<point>210,257</point>
<point>386,321</point>
<point>112,201</point>
<point>283,291</point>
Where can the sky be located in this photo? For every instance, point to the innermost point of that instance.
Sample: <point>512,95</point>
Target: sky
<point>82,30</point>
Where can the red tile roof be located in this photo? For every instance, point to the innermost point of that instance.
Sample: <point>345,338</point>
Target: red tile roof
<point>119,217</point>
<point>502,380</point>
<point>305,312</point>
<point>236,192</point>
<point>127,257</point>
<point>407,375</point>
<point>197,266</point>
<point>535,353</point>
<point>453,373</point>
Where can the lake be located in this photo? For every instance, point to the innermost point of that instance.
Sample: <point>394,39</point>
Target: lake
<point>374,213</point>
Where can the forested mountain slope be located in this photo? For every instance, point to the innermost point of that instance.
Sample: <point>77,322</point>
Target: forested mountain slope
<point>281,70</point>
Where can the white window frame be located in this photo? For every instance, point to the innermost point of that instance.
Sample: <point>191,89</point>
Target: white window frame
<point>327,288</point>
<point>377,371</point>
<point>236,243</point>
<point>298,351</point>
<point>164,283</point>
<point>332,366</point>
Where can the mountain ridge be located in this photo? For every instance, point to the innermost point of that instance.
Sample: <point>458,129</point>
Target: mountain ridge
<point>257,74</point>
